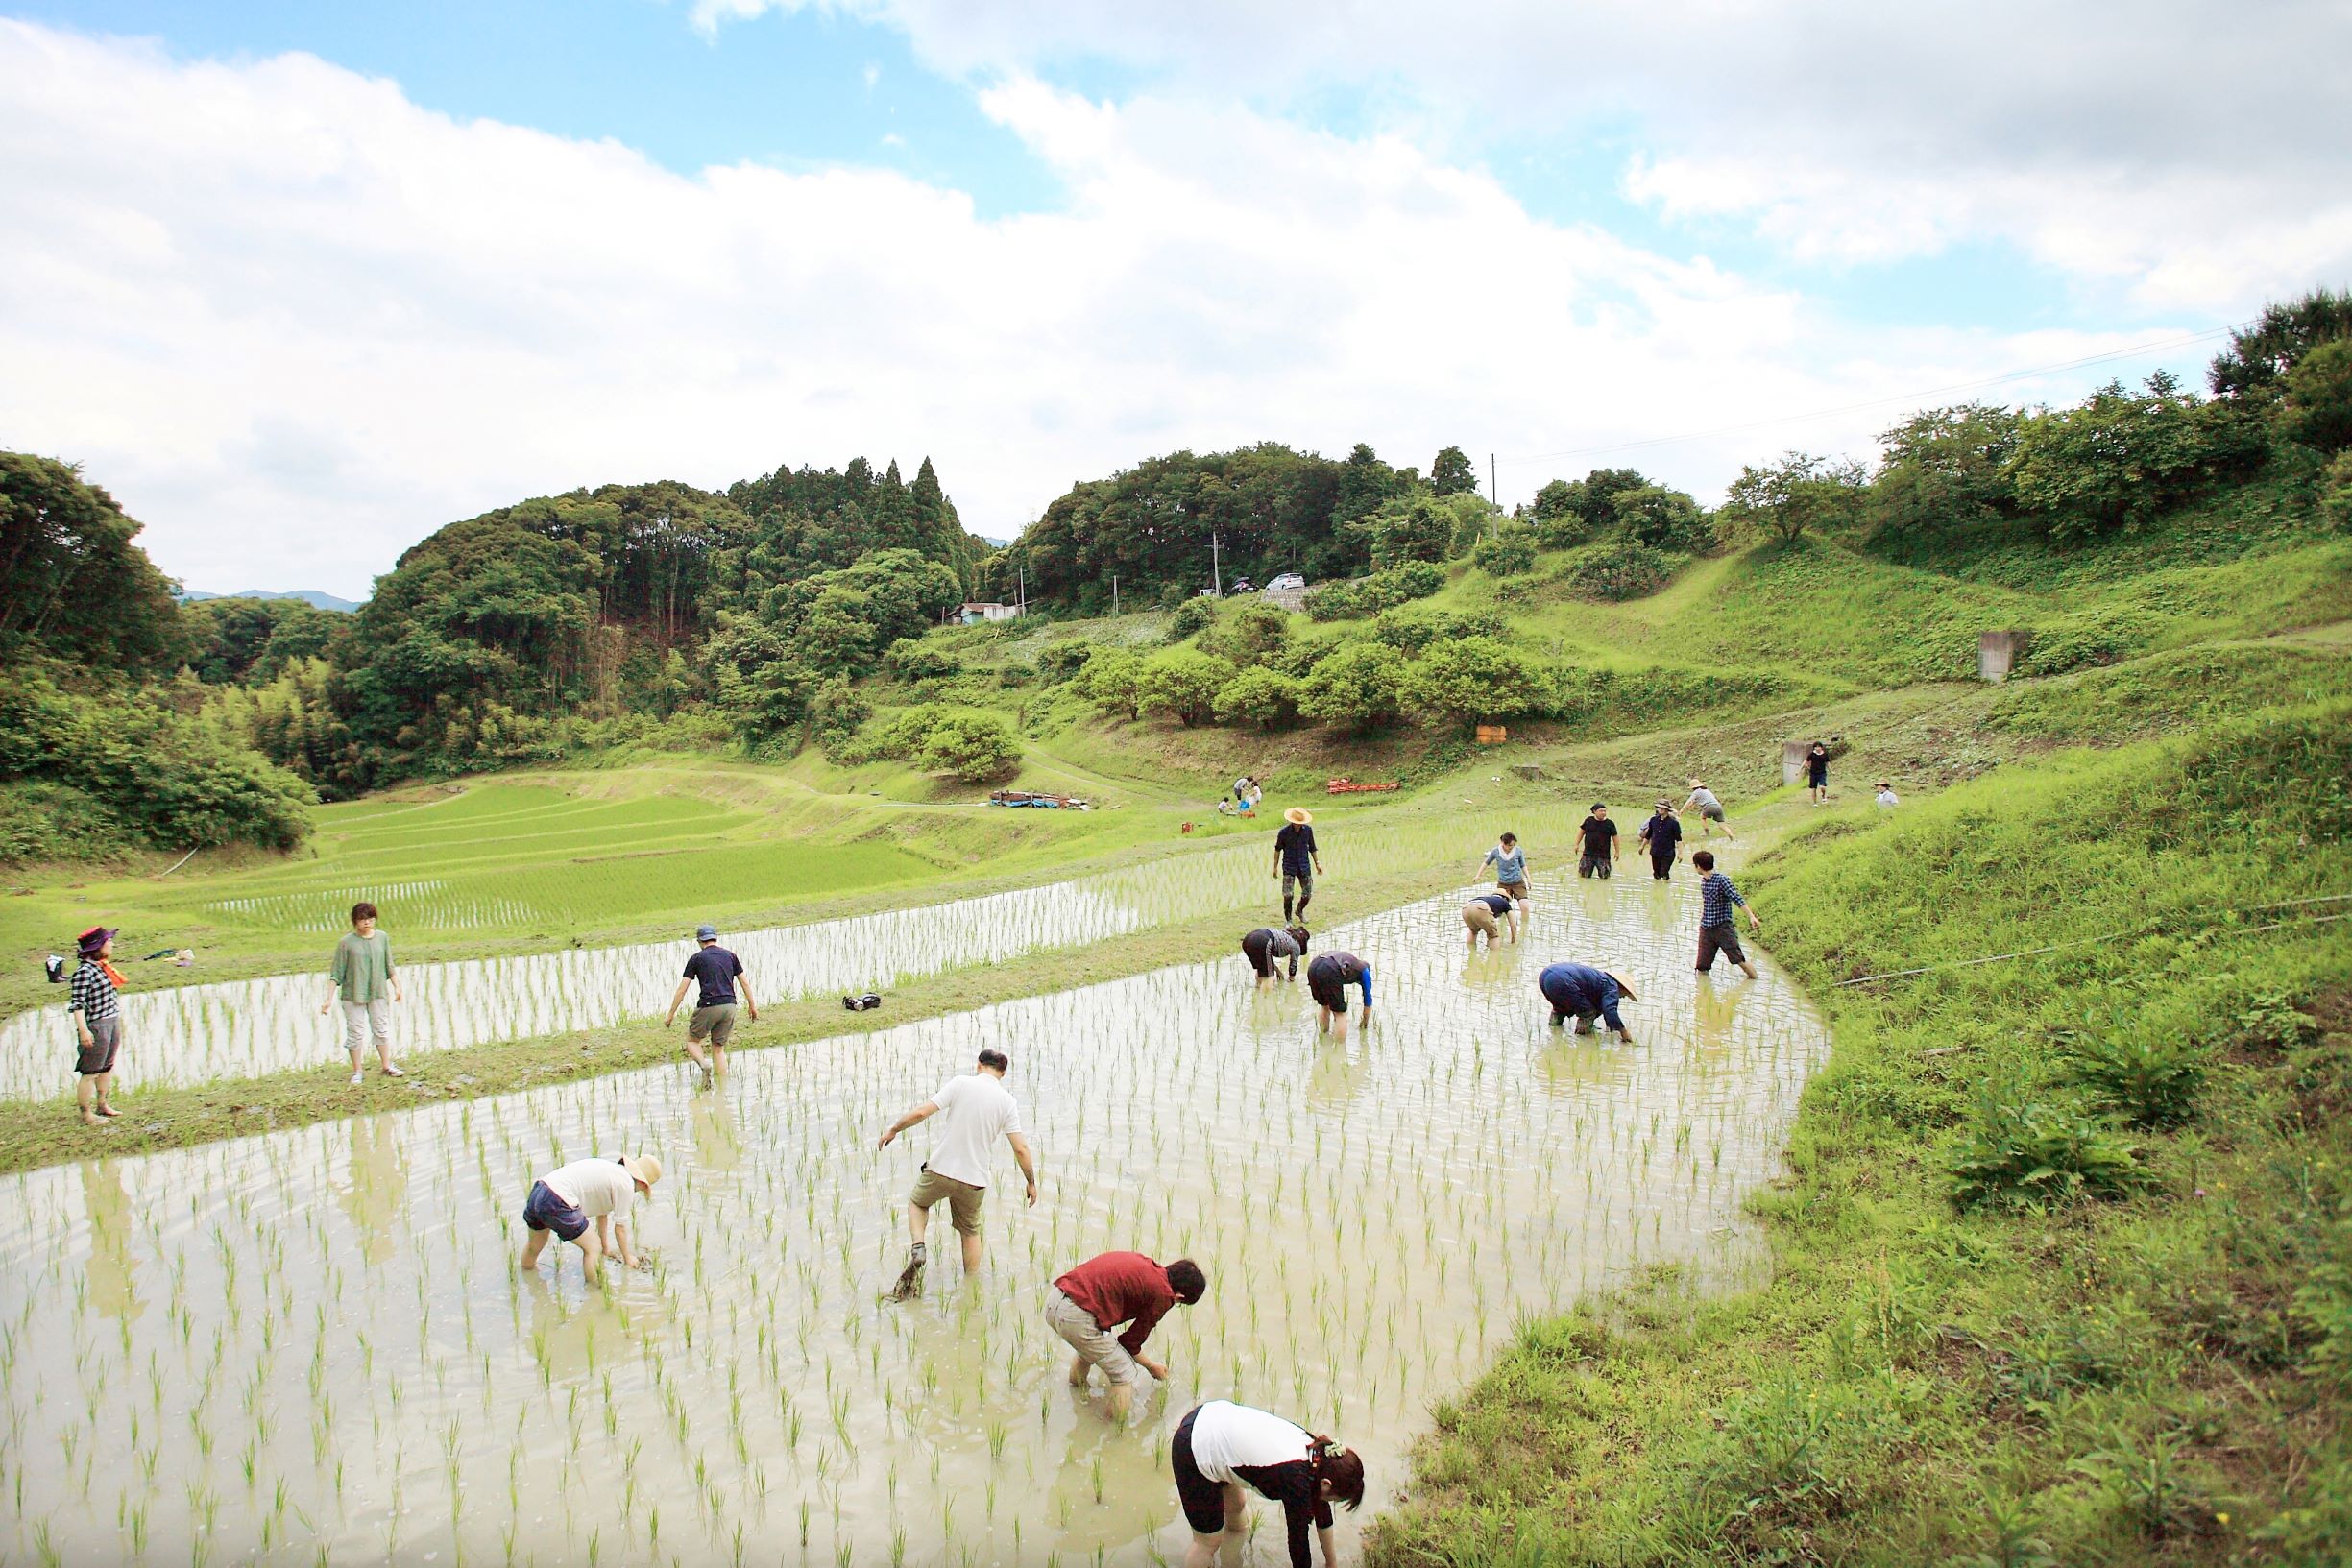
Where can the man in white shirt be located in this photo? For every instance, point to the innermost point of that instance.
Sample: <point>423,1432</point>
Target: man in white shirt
<point>1888,800</point>
<point>978,1111</point>
<point>563,1201</point>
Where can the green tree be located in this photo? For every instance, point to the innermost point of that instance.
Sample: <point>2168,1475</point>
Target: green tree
<point>1259,696</point>
<point>1799,493</point>
<point>1253,631</point>
<point>1184,682</point>
<point>1662,519</point>
<point>2260,357</point>
<point>1471,678</point>
<point>1451,474</point>
<point>73,585</point>
<point>1411,528</point>
<point>1623,569</point>
<point>1192,618</point>
<point>2113,463</point>
<point>1357,685</point>
<point>2318,411</point>
<point>1946,470</point>
<point>1113,679</point>
<point>1508,553</point>
<point>975,744</point>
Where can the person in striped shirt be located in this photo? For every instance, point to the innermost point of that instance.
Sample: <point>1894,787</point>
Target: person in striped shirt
<point>1717,933</point>
<point>98,1023</point>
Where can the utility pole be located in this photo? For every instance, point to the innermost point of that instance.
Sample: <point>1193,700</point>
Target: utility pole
<point>1217,575</point>
<point>1022,569</point>
<point>1494,496</point>
<point>1114,593</point>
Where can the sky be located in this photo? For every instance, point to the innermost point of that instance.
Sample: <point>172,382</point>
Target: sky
<point>300,283</point>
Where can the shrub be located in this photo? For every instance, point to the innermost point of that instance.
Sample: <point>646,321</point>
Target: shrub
<point>1113,679</point>
<point>1359,685</point>
<point>1507,553</point>
<point>1471,678</point>
<point>2022,1152</point>
<point>1193,617</point>
<point>2150,1076</point>
<point>2319,408</point>
<point>2336,493</point>
<point>1258,696</point>
<point>1369,596</point>
<point>1664,519</point>
<point>975,744</point>
<point>912,659</point>
<point>1411,528</point>
<point>1626,569</point>
<point>1183,682</point>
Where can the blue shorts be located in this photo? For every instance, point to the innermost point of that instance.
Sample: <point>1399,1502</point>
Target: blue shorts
<point>544,1210</point>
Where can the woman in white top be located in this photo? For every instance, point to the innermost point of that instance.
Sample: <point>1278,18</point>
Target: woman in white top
<point>1221,1446</point>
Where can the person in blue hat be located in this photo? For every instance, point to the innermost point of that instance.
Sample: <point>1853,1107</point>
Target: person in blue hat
<point>719,974</point>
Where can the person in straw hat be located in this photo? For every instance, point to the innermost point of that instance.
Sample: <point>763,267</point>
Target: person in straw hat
<point>1584,993</point>
<point>565,1199</point>
<point>1296,862</point>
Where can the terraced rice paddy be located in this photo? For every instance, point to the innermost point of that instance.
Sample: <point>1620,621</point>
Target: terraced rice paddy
<point>313,1346</point>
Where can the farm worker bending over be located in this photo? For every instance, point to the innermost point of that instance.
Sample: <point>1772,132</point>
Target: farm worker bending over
<point>1717,933</point>
<point>1296,861</point>
<point>1117,1288</point>
<point>362,976</point>
<point>1663,833</point>
<point>1265,946</point>
<point>1328,978</point>
<point>1710,808</point>
<point>1485,916</point>
<point>719,974</point>
<point>1509,863</point>
<point>1584,993</point>
<point>568,1198</point>
<point>98,1022</point>
<point>979,1110</point>
<point>1220,1446</point>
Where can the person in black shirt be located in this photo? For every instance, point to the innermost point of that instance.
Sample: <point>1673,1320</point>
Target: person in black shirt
<point>719,974</point>
<point>1485,916</point>
<point>1265,948</point>
<point>1328,978</point>
<point>1296,861</point>
<point>1599,853</point>
<point>1817,772</point>
<point>1663,835</point>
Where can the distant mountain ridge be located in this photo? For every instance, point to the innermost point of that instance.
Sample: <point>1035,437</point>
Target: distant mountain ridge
<point>309,595</point>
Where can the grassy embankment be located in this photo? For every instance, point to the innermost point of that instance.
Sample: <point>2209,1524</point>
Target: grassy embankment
<point>2124,1340</point>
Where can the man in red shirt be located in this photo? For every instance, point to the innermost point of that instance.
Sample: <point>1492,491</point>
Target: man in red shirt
<point>1094,1298</point>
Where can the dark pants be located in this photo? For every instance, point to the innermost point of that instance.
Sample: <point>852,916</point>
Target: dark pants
<point>544,1210</point>
<point>1202,1500</point>
<point>1593,865</point>
<point>1258,947</point>
<point>1723,939</point>
<point>1661,866</point>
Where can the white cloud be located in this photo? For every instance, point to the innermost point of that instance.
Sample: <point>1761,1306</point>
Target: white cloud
<point>2193,153</point>
<point>295,322</point>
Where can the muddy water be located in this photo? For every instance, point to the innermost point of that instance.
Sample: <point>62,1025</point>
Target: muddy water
<point>312,1346</point>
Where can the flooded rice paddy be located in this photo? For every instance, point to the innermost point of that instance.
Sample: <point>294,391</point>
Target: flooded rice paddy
<point>313,1346</point>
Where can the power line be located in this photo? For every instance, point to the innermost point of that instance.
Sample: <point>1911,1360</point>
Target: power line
<point>2133,352</point>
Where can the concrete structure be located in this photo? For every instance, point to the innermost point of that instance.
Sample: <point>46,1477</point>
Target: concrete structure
<point>974,612</point>
<point>1998,653</point>
<point>1792,755</point>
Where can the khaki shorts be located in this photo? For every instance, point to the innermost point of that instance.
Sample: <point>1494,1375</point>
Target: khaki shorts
<point>715,1025</point>
<point>1481,919</point>
<point>1515,892</point>
<point>963,1199</point>
<point>1095,1344</point>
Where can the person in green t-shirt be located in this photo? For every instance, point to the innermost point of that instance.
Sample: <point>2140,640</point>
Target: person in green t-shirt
<point>362,976</point>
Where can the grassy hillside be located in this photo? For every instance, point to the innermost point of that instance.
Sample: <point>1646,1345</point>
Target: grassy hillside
<point>2058,1269</point>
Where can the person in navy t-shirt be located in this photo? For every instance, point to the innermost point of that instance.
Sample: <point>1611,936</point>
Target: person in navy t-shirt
<point>720,975</point>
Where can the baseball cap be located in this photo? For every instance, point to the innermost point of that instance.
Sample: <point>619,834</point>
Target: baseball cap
<point>706,934</point>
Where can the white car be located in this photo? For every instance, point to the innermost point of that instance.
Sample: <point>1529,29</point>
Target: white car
<point>1289,579</point>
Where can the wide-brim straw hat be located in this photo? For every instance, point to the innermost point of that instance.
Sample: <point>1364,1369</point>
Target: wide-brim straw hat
<point>1625,988</point>
<point>1298,814</point>
<point>644,1167</point>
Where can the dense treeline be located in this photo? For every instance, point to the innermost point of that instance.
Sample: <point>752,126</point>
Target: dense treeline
<point>662,613</point>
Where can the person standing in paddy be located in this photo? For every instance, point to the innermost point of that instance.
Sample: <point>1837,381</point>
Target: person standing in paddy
<point>1091,1301</point>
<point>1296,861</point>
<point>1663,835</point>
<point>98,1023</point>
<point>1599,850</point>
<point>364,984</point>
<point>979,1110</point>
<point>1711,811</point>
<point>1584,993</point>
<point>1328,978</point>
<point>1817,772</point>
<point>561,1202</point>
<point>719,974</point>
<point>1509,863</point>
<point>1218,1447</point>
<point>1717,933</point>
<point>1267,947</point>
<point>1485,916</point>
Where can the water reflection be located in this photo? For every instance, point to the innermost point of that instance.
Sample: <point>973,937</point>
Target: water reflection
<point>1373,1219</point>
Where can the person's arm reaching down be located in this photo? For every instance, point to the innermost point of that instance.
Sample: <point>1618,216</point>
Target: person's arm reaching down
<point>742,983</point>
<point>671,1017</point>
<point>1137,1331</point>
<point>1027,1162</point>
<point>1365,979</point>
<point>928,1108</point>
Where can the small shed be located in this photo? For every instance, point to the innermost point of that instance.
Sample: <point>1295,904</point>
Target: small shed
<point>978,610</point>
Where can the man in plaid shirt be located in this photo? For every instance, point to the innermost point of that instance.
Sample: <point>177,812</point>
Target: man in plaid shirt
<point>98,1023</point>
<point>1716,932</point>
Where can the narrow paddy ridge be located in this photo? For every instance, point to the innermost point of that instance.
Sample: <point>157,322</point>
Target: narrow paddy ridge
<point>313,1346</point>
